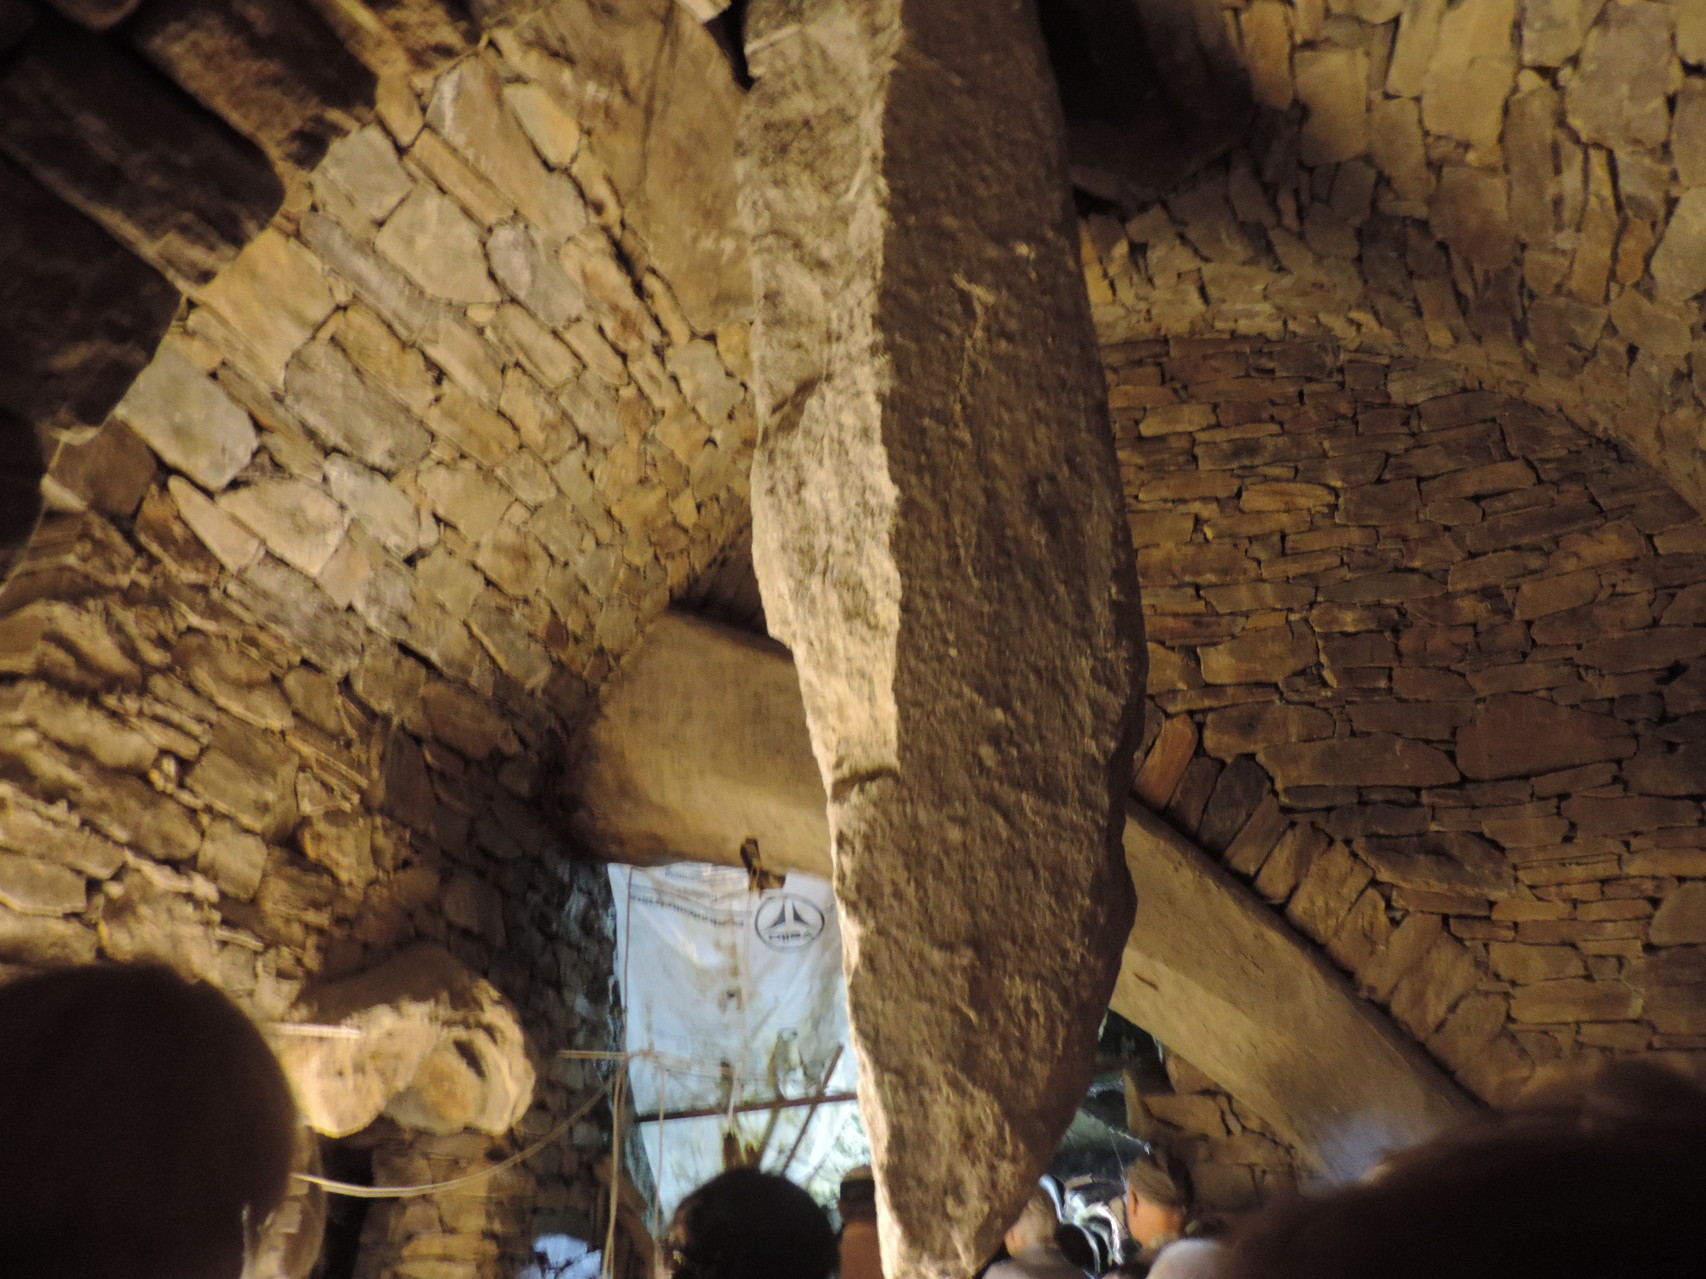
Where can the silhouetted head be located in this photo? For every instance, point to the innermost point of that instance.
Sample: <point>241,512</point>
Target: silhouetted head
<point>1599,1178</point>
<point>858,1199</point>
<point>747,1224</point>
<point>145,1127</point>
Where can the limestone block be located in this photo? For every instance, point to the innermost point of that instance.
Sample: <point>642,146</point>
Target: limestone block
<point>351,415</point>
<point>1470,212</point>
<point>1242,730</point>
<point>37,940</point>
<point>468,111</point>
<point>1656,329</point>
<point>184,416</point>
<point>532,275</point>
<point>552,128</point>
<point>533,345</point>
<point>297,521</point>
<point>1370,759</point>
<point>1333,85</point>
<point>1258,656</point>
<point>1413,50</point>
<point>931,404</point>
<point>1678,265</point>
<point>704,380</point>
<point>248,775</point>
<point>1439,862</point>
<point>1677,1010</point>
<point>1514,961</point>
<point>1518,735</point>
<point>1681,917</point>
<point>36,887</point>
<point>438,247</point>
<point>1265,31</point>
<point>418,1038</point>
<point>1677,772</point>
<point>273,295</point>
<point>1530,122</point>
<point>40,831</point>
<point>1691,34</point>
<point>158,916</point>
<point>380,507</point>
<point>232,858</point>
<point>232,544</point>
<point>1575,999</point>
<point>1617,97</point>
<point>1395,142</point>
<point>463,421</point>
<point>375,280</point>
<point>1625,815</point>
<point>1552,30</point>
<point>1471,74</point>
<point>365,167</point>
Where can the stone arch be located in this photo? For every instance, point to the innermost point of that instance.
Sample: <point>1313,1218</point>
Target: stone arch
<point>1433,226</point>
<point>292,657</point>
<point>1452,185</point>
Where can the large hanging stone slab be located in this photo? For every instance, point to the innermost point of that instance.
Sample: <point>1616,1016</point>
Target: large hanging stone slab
<point>938,538</point>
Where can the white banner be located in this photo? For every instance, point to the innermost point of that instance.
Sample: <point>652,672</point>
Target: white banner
<point>733,998</point>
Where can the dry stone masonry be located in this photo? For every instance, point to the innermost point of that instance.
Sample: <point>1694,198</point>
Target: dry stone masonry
<point>292,658</point>
<point>457,402</point>
<point>1510,189</point>
<point>1423,662</point>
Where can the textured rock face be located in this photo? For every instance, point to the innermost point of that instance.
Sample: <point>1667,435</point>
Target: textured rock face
<point>700,751</point>
<point>936,536</point>
<point>419,1038</point>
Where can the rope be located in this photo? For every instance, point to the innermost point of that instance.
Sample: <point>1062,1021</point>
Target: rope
<point>607,1267</point>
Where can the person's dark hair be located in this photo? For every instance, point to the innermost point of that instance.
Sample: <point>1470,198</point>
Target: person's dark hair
<point>146,1129</point>
<point>747,1224</point>
<point>1596,1179</point>
<point>1078,1247</point>
<point>858,1197</point>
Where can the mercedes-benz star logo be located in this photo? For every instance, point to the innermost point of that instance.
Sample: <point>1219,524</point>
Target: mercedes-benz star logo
<point>787,922</point>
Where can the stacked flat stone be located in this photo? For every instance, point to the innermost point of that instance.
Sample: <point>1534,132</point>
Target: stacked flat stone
<point>1426,670</point>
<point>316,608</point>
<point>1516,190</point>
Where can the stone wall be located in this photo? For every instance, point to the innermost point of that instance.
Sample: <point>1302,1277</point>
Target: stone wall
<point>1422,648</point>
<point>1513,189</point>
<point>292,660</point>
<point>1425,672</point>
<point>1236,1160</point>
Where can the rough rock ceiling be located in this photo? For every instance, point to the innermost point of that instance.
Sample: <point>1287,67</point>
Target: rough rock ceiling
<point>379,569</point>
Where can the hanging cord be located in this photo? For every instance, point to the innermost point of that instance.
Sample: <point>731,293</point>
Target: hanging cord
<point>822,1092</point>
<point>657,1171</point>
<point>618,1101</point>
<point>353,1191</point>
